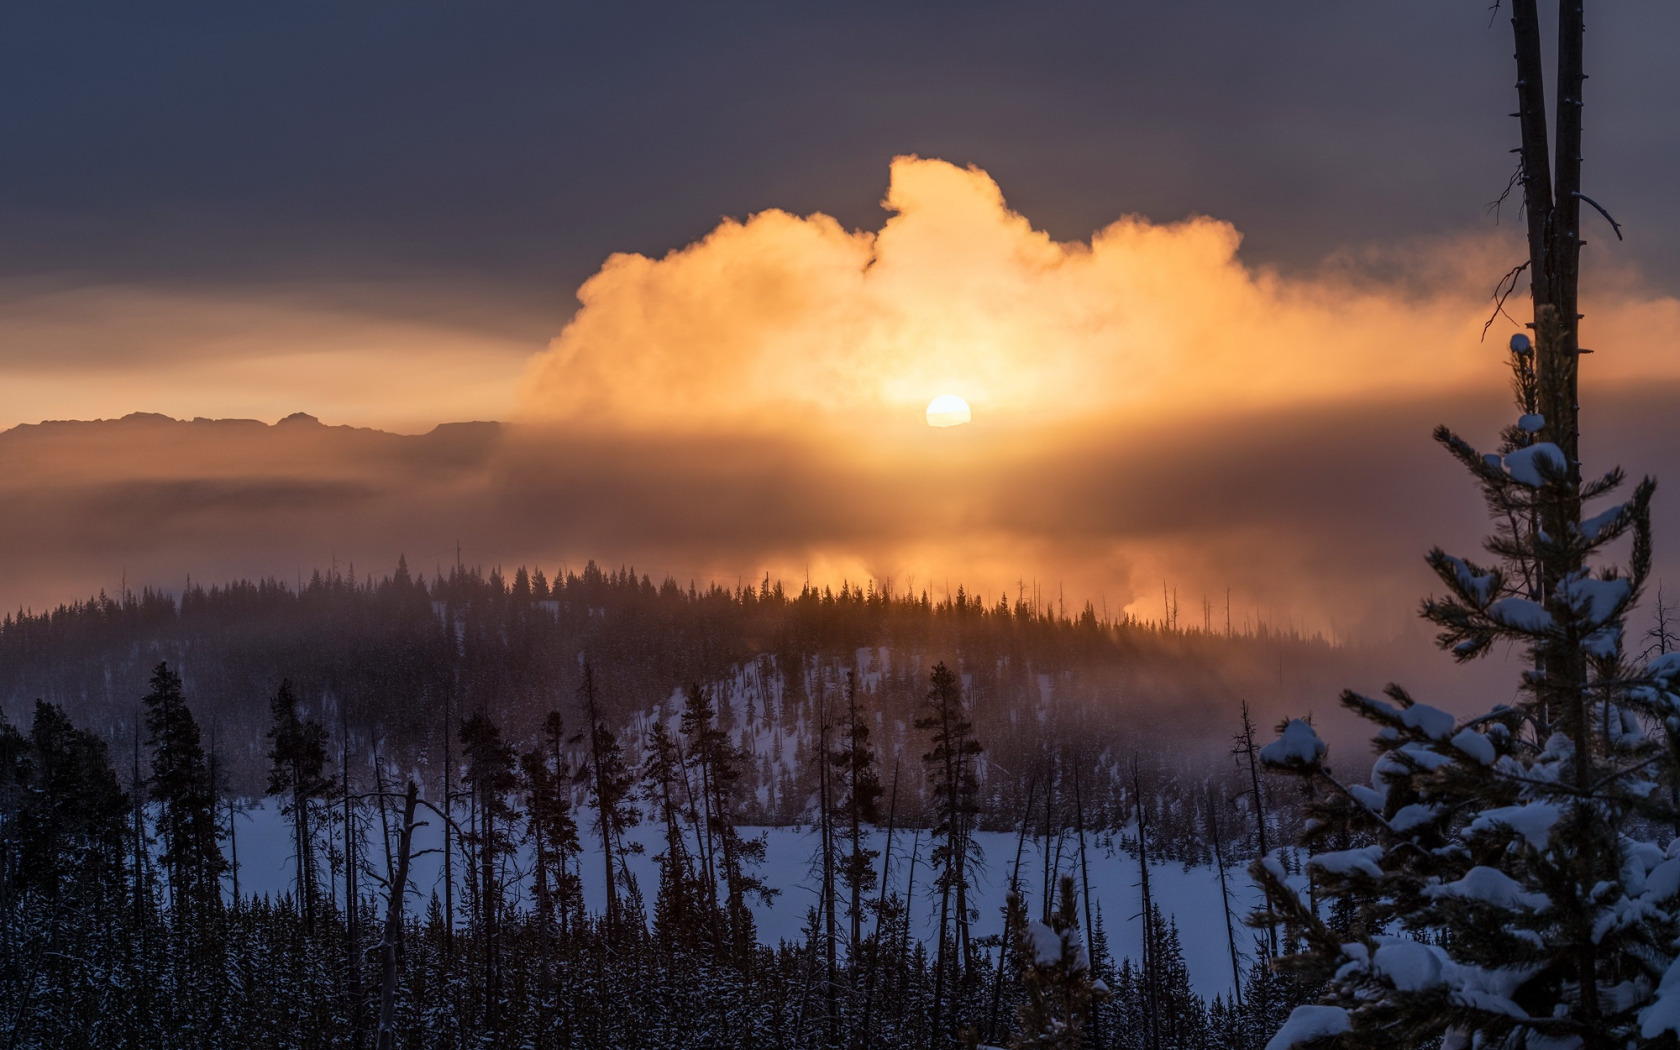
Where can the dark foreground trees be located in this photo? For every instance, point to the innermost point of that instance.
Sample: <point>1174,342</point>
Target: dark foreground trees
<point>114,933</point>
<point>1510,879</point>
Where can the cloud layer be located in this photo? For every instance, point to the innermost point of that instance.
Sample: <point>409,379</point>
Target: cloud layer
<point>1149,410</point>
<point>1147,407</point>
<point>796,325</point>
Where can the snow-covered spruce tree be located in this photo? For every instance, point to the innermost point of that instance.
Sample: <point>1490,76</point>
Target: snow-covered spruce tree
<point>1056,975</point>
<point>1511,888</point>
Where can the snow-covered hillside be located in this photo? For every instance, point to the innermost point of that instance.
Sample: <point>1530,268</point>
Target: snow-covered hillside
<point>1187,895</point>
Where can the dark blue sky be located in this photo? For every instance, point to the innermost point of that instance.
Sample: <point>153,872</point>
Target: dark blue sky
<point>518,144</point>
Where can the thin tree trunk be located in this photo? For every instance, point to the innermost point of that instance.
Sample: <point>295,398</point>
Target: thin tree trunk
<point>939,958</point>
<point>825,804</point>
<point>233,846</point>
<point>909,895</point>
<point>1246,749</point>
<point>603,807</point>
<point>392,941</point>
<point>1152,999</point>
<point>352,939</point>
<point>1225,899</point>
<point>1085,878</point>
<point>880,910</point>
<point>1049,794</point>
<point>1009,914</point>
<point>448,828</point>
<point>856,818</point>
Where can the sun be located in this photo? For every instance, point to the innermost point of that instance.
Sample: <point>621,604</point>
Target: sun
<point>948,410</point>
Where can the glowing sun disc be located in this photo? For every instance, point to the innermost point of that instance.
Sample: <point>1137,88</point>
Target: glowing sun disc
<point>948,410</point>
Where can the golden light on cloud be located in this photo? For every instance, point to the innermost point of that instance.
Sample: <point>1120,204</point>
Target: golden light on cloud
<point>948,410</point>
<point>783,356</point>
<point>781,323</point>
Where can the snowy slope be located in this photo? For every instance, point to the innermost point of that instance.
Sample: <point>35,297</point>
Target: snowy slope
<point>1190,896</point>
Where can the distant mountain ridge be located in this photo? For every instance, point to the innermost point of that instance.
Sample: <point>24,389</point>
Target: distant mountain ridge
<point>148,498</point>
<point>470,430</point>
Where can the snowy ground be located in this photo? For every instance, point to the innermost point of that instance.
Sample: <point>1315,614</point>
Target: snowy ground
<point>1190,896</point>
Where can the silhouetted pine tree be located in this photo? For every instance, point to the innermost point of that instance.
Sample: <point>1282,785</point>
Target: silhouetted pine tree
<point>491,778</point>
<point>1055,974</point>
<point>950,769</point>
<point>680,914</point>
<point>860,804</point>
<point>611,784</point>
<point>722,766</point>
<point>297,774</point>
<point>550,828</point>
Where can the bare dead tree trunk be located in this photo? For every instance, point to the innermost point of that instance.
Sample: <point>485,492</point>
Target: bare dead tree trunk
<point>1555,288</point>
<point>1152,999</point>
<point>1008,913</point>
<point>825,809</point>
<point>1085,878</point>
<point>392,941</point>
<point>352,936</point>
<point>880,911</point>
<point>1246,750</point>
<point>448,830</point>
<point>1225,899</point>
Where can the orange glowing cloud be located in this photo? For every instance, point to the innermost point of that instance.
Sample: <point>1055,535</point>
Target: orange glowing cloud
<point>777,321</point>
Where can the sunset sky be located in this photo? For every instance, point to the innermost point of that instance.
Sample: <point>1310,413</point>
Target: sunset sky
<point>1206,272</point>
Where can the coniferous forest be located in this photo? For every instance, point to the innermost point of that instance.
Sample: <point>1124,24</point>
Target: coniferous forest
<point>512,719</point>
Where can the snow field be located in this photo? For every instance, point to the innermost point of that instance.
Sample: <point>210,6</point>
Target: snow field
<point>1188,896</point>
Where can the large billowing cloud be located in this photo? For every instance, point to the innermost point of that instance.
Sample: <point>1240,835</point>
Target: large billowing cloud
<point>794,324</point>
<point>1147,407</point>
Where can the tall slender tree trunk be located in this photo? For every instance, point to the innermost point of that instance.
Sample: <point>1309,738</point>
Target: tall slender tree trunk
<point>604,805</point>
<point>448,828</point>
<point>391,943</point>
<point>909,895</point>
<point>825,805</point>
<point>1009,913</point>
<point>1245,748</point>
<point>1151,978</point>
<point>879,953</point>
<point>1554,214</point>
<point>1049,795</point>
<point>352,935</point>
<point>233,847</point>
<point>939,965</point>
<point>1225,899</point>
<point>856,815</point>
<point>1085,879</point>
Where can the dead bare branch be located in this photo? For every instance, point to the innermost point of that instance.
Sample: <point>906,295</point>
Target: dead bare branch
<point>1501,292</point>
<point>1614,225</point>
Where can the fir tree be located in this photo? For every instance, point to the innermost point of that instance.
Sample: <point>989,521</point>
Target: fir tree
<point>491,777</point>
<point>854,761</point>
<point>722,767</point>
<point>297,755</point>
<point>680,919</point>
<point>180,785</point>
<point>1498,881</point>
<point>950,768</point>
<point>550,826</point>
<point>611,784</point>
<point>1056,975</point>
<point>62,812</point>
